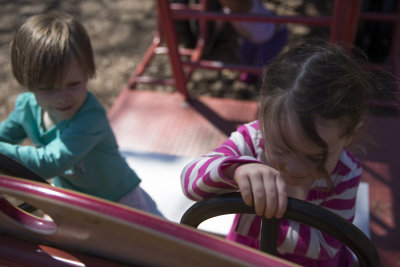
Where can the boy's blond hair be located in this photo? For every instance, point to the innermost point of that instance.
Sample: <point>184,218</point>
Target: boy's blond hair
<point>43,47</point>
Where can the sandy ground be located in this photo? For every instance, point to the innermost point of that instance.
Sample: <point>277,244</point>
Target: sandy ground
<point>121,31</point>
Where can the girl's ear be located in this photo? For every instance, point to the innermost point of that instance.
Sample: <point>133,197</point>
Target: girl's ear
<point>356,130</point>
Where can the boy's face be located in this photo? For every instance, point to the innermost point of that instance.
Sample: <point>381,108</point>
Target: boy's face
<point>301,167</point>
<point>62,103</point>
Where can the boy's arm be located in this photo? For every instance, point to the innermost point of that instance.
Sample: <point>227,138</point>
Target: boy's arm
<point>206,176</point>
<point>11,129</point>
<point>11,132</point>
<point>63,152</point>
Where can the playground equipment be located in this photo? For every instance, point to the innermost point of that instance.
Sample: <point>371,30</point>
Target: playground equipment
<point>342,25</point>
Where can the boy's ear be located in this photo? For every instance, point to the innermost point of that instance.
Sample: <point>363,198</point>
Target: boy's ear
<point>356,130</point>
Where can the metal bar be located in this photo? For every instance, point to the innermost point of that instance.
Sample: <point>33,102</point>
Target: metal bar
<point>182,51</point>
<point>190,14</point>
<point>335,22</point>
<point>145,61</point>
<point>171,40</point>
<point>269,235</point>
<point>202,36</point>
<point>377,16</point>
<point>218,65</point>
<point>154,80</point>
<point>178,6</point>
<point>351,22</point>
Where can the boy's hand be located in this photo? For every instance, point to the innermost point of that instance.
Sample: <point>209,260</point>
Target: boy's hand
<point>263,187</point>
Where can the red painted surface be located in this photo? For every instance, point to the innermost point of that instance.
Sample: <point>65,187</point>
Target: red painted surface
<point>165,123</point>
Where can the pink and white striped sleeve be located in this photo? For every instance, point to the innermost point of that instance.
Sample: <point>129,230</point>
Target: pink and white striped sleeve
<point>203,178</point>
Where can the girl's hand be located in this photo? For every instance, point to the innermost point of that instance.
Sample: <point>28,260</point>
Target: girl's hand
<point>263,187</point>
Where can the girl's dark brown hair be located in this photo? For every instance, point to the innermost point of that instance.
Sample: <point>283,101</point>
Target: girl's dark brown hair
<point>313,80</point>
<point>43,47</point>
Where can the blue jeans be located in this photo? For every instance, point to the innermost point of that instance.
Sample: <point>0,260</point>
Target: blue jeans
<point>139,199</point>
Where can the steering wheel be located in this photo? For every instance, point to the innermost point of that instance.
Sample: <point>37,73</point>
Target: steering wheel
<point>297,210</point>
<point>12,167</point>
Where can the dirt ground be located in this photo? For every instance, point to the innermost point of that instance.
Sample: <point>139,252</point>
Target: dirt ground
<point>121,31</point>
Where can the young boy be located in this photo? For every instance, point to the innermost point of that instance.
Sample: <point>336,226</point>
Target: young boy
<point>51,55</point>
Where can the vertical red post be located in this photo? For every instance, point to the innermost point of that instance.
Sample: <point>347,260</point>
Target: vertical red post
<point>169,33</point>
<point>352,17</point>
<point>203,34</point>
<point>336,22</point>
<point>344,23</point>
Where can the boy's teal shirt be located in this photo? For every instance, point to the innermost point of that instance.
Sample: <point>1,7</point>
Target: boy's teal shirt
<point>80,153</point>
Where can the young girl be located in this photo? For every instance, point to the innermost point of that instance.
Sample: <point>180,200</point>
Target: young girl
<point>311,108</point>
<point>52,57</point>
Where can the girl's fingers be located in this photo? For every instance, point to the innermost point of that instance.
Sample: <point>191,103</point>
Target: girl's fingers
<point>282,197</point>
<point>257,186</point>
<point>245,190</point>
<point>262,187</point>
<point>270,196</point>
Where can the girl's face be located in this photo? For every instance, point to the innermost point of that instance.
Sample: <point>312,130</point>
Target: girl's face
<point>62,103</point>
<point>301,166</point>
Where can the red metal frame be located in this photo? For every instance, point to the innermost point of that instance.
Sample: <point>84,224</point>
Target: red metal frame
<point>342,24</point>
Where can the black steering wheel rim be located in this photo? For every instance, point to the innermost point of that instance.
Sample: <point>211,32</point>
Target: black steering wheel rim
<point>12,167</point>
<point>9,166</point>
<point>297,210</point>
